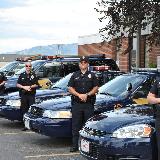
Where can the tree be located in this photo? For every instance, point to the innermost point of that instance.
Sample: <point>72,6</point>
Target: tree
<point>128,18</point>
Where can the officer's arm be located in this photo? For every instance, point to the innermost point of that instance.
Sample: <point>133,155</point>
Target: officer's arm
<point>4,81</point>
<point>93,91</point>
<point>20,86</point>
<point>73,91</point>
<point>152,99</point>
<point>34,86</point>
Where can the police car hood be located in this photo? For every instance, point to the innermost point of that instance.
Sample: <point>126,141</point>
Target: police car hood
<point>45,92</point>
<point>110,121</point>
<point>56,103</point>
<point>65,102</point>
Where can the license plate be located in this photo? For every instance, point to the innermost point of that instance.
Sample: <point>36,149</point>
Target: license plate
<point>27,122</point>
<point>84,145</point>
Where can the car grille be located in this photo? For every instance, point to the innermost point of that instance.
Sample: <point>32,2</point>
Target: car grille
<point>95,132</point>
<point>36,111</point>
<point>94,152</point>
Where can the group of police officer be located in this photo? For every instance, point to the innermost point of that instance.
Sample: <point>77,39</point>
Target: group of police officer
<point>83,86</point>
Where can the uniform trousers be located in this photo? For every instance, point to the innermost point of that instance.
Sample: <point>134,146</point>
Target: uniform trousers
<point>81,112</point>
<point>26,101</point>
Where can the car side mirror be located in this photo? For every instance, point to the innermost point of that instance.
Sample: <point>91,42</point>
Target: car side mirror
<point>129,86</point>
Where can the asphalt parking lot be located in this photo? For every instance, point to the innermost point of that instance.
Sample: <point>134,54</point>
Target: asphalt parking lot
<point>27,145</point>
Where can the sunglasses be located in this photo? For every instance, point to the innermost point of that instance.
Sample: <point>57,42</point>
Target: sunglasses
<point>28,66</point>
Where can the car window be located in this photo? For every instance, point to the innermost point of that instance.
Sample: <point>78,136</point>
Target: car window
<point>19,67</point>
<point>8,66</point>
<point>117,86</point>
<point>62,83</point>
<point>35,66</point>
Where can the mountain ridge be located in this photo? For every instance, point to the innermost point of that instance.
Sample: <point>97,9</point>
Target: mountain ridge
<point>53,49</point>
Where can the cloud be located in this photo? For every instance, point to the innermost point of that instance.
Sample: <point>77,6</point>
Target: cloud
<point>51,20</point>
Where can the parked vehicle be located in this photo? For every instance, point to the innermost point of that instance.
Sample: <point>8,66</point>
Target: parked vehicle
<point>11,68</point>
<point>53,117</point>
<point>128,133</point>
<point>49,71</point>
<point>10,104</point>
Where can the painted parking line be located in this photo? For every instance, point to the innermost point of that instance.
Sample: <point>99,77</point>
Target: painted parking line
<point>52,155</point>
<point>15,133</point>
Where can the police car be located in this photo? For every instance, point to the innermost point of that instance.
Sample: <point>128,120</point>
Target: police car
<point>53,68</point>
<point>128,133</point>
<point>11,68</point>
<point>10,104</point>
<point>53,117</point>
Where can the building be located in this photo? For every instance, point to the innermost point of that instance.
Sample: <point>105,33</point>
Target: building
<point>93,44</point>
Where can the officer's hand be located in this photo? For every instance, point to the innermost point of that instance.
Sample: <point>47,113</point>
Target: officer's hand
<point>27,88</point>
<point>83,97</point>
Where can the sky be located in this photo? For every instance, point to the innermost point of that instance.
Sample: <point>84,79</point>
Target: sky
<point>28,23</point>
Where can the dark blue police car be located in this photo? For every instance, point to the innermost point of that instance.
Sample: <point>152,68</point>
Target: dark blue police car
<point>53,117</point>
<point>10,104</point>
<point>125,134</point>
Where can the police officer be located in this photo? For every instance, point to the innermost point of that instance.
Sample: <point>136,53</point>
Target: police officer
<point>27,82</point>
<point>3,80</point>
<point>83,86</point>
<point>154,98</point>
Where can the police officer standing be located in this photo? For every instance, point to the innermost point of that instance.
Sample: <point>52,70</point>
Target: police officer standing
<point>3,80</point>
<point>83,86</point>
<point>154,98</point>
<point>27,82</point>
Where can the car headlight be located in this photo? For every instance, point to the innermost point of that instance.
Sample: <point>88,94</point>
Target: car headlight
<point>134,131</point>
<point>15,102</point>
<point>57,114</point>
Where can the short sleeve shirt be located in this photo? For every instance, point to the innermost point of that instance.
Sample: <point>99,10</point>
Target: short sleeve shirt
<point>83,83</point>
<point>28,80</point>
<point>154,89</point>
<point>2,77</point>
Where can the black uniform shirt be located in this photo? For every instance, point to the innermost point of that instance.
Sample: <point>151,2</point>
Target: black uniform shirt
<point>155,89</point>
<point>2,78</point>
<point>83,83</point>
<point>27,80</point>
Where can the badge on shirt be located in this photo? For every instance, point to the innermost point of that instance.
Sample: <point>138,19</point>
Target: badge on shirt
<point>32,76</point>
<point>89,76</point>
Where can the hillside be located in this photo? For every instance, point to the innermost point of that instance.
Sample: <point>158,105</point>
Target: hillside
<point>54,49</point>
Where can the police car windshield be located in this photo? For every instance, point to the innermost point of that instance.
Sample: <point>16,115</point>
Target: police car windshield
<point>9,66</point>
<point>35,66</point>
<point>62,83</point>
<point>19,67</point>
<point>117,86</point>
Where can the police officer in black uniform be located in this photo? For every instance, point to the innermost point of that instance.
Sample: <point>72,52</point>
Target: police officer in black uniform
<point>83,86</point>
<point>3,80</point>
<point>154,98</point>
<point>27,82</point>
